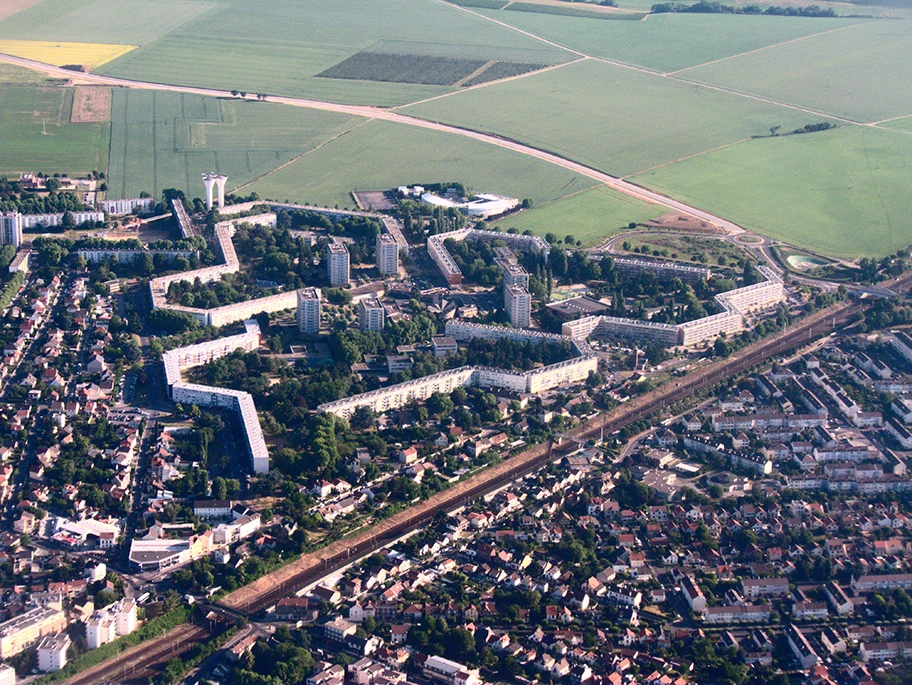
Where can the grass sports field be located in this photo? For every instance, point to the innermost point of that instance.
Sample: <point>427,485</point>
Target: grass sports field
<point>36,131</point>
<point>616,119</point>
<point>380,155</point>
<point>279,46</point>
<point>843,192</point>
<point>166,140</point>
<point>667,42</point>
<point>591,216</point>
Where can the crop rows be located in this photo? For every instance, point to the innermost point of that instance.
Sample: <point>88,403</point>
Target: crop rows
<point>375,66</point>
<point>500,70</point>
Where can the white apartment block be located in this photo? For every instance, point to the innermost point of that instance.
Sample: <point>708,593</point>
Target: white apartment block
<point>518,304</point>
<point>52,652</point>
<point>371,315</point>
<point>387,255</point>
<point>310,307</point>
<point>737,614</point>
<point>242,402</point>
<point>881,651</point>
<point>536,381</point>
<point>7,675</point>
<point>513,274</point>
<point>765,587</point>
<point>441,256</point>
<point>23,631</point>
<point>886,581</point>
<point>338,265</point>
<point>106,625</point>
<point>121,207</point>
<point>51,220</point>
<point>736,304</point>
<point>11,229</point>
<point>450,672</point>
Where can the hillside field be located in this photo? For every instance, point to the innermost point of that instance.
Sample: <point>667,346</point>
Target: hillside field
<point>843,192</point>
<point>591,216</point>
<point>381,155</point>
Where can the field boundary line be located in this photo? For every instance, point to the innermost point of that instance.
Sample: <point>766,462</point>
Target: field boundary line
<point>478,72</point>
<point>766,47</point>
<point>886,121</point>
<point>506,79</point>
<point>302,156</point>
<point>684,159</point>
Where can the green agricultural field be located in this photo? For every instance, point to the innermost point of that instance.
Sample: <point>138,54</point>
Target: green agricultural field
<point>166,140</point>
<point>36,133</point>
<point>667,42</point>
<point>11,74</point>
<point>862,73</point>
<point>904,124</point>
<point>616,119</point>
<point>843,192</point>
<point>381,155</point>
<point>123,22</point>
<point>279,46</point>
<point>591,216</point>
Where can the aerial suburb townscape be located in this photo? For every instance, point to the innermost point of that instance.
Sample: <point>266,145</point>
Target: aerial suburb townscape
<point>455,342</point>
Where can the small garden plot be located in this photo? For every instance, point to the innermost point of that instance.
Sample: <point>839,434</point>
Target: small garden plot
<point>404,68</point>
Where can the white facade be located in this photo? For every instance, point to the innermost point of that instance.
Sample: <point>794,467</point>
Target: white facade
<point>338,265</point>
<point>52,653</point>
<point>518,304</point>
<point>121,207</point>
<point>310,307</point>
<point>387,255</point>
<point>50,220</point>
<point>371,315</point>
<point>441,256</point>
<point>11,229</point>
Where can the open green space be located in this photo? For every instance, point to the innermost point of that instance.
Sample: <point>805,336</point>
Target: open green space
<point>166,140</point>
<point>11,74</point>
<point>279,46</point>
<point>667,42</point>
<point>381,155</point>
<point>843,192</point>
<point>125,22</point>
<point>613,118</point>
<point>37,136</point>
<point>862,73</point>
<point>904,124</point>
<point>591,216</point>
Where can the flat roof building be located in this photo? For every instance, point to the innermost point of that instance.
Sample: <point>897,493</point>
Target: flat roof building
<point>518,304</point>
<point>387,255</point>
<point>310,307</point>
<point>52,652</point>
<point>338,265</point>
<point>371,315</point>
<point>11,229</point>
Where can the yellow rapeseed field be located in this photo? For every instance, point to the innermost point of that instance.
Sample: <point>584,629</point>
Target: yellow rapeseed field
<point>58,53</point>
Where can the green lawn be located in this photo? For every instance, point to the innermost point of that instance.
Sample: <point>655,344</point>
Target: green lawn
<point>166,140</point>
<point>36,133</point>
<point>843,193</point>
<point>591,216</point>
<point>613,118</point>
<point>666,42</point>
<point>381,155</point>
<point>122,22</point>
<point>278,47</point>
<point>863,73</point>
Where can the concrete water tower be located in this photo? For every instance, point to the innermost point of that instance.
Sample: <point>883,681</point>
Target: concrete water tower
<point>212,181</point>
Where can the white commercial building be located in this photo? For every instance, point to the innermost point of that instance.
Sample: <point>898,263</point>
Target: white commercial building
<point>387,255</point>
<point>371,315</point>
<point>11,229</point>
<point>518,304</point>
<point>121,207</point>
<point>338,265</point>
<point>310,307</point>
<point>484,204</point>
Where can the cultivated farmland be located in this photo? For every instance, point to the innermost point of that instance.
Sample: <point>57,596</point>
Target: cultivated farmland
<point>61,54</point>
<point>499,70</point>
<point>616,119</point>
<point>127,22</point>
<point>591,216</point>
<point>161,140</point>
<point>373,66</point>
<point>37,135</point>
<point>381,155</point>
<point>862,73</point>
<point>843,192</point>
<point>279,46</point>
<point>667,42</point>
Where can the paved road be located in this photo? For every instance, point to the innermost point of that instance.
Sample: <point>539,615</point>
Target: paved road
<point>614,182</point>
